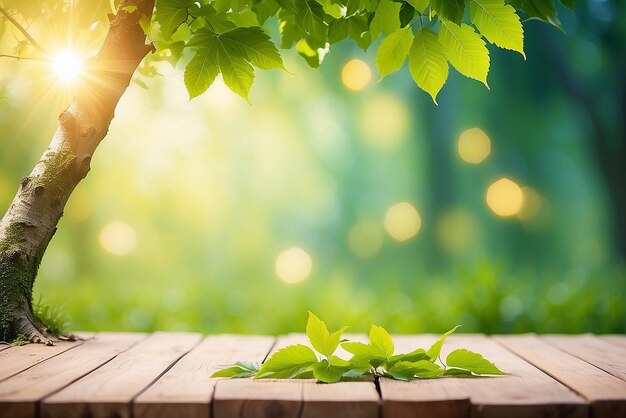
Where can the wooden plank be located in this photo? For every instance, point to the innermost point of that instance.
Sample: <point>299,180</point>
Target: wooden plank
<point>16,359</point>
<point>109,390</point>
<point>609,357</point>
<point>186,390</point>
<point>421,398</point>
<point>615,339</point>
<point>344,399</point>
<point>302,398</point>
<point>267,398</point>
<point>526,392</point>
<point>606,393</point>
<point>264,398</point>
<point>20,394</point>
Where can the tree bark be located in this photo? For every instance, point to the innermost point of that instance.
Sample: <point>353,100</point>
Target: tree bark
<point>31,221</point>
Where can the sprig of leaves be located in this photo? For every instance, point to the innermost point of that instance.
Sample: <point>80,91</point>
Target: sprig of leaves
<point>376,357</point>
<point>432,34</point>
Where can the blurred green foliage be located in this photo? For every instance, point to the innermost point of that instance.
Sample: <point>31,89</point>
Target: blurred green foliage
<point>189,203</point>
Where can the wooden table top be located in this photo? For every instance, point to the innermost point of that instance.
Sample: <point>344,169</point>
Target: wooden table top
<point>167,375</point>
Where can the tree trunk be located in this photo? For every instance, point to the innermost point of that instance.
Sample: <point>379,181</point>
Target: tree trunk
<point>31,220</point>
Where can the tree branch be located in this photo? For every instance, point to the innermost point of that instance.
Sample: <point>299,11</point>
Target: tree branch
<point>18,58</point>
<point>21,29</point>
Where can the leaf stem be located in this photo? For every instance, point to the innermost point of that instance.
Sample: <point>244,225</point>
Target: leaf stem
<point>21,29</point>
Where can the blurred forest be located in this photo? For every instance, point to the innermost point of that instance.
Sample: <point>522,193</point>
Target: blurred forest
<point>503,210</point>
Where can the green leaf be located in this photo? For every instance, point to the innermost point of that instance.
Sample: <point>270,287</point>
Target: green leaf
<point>238,370</point>
<point>326,372</point>
<point>414,356</point>
<point>170,14</point>
<point>201,71</point>
<point>386,18</point>
<point>311,18</point>
<point>428,63</point>
<point>451,10</point>
<point>539,9</point>
<point>288,362</point>
<point>318,334</point>
<point>457,372</point>
<point>332,8</point>
<point>359,349</point>
<point>264,9</point>
<point>465,50</point>
<point>313,57</point>
<point>255,45</point>
<point>393,51</point>
<point>499,23</point>
<point>338,30</point>
<point>419,5</point>
<point>435,350</point>
<point>474,362</point>
<point>321,340</point>
<point>405,370</point>
<point>237,72</point>
<point>359,31</point>
<point>381,339</point>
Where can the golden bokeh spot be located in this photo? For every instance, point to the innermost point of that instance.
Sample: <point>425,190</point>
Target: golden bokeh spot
<point>456,229</point>
<point>356,74</point>
<point>365,239</point>
<point>474,145</point>
<point>67,66</point>
<point>402,221</point>
<point>118,238</point>
<point>80,206</point>
<point>505,197</point>
<point>293,265</point>
<point>532,204</point>
<point>384,122</point>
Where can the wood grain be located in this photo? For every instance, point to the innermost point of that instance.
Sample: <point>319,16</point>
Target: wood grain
<point>109,390</point>
<point>20,394</point>
<point>298,398</point>
<point>186,390</point>
<point>615,339</point>
<point>357,399</point>
<point>422,398</point>
<point>606,393</point>
<point>525,392</point>
<point>16,359</point>
<point>609,357</point>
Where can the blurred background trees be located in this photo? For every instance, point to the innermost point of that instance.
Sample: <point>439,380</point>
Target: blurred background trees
<point>502,210</point>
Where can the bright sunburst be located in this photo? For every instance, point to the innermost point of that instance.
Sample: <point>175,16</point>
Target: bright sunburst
<point>67,66</point>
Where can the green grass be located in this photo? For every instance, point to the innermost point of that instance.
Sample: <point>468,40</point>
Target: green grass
<point>485,298</point>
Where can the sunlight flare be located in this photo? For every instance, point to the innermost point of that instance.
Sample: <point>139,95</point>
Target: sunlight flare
<point>67,66</point>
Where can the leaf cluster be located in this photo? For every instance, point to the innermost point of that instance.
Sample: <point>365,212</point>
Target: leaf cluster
<point>375,358</point>
<point>229,36</point>
<point>226,36</point>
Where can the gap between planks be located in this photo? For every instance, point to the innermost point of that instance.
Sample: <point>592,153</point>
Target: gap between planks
<point>109,390</point>
<point>295,398</point>
<point>526,392</point>
<point>605,392</point>
<point>20,395</point>
<point>186,390</point>
<point>16,359</point>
